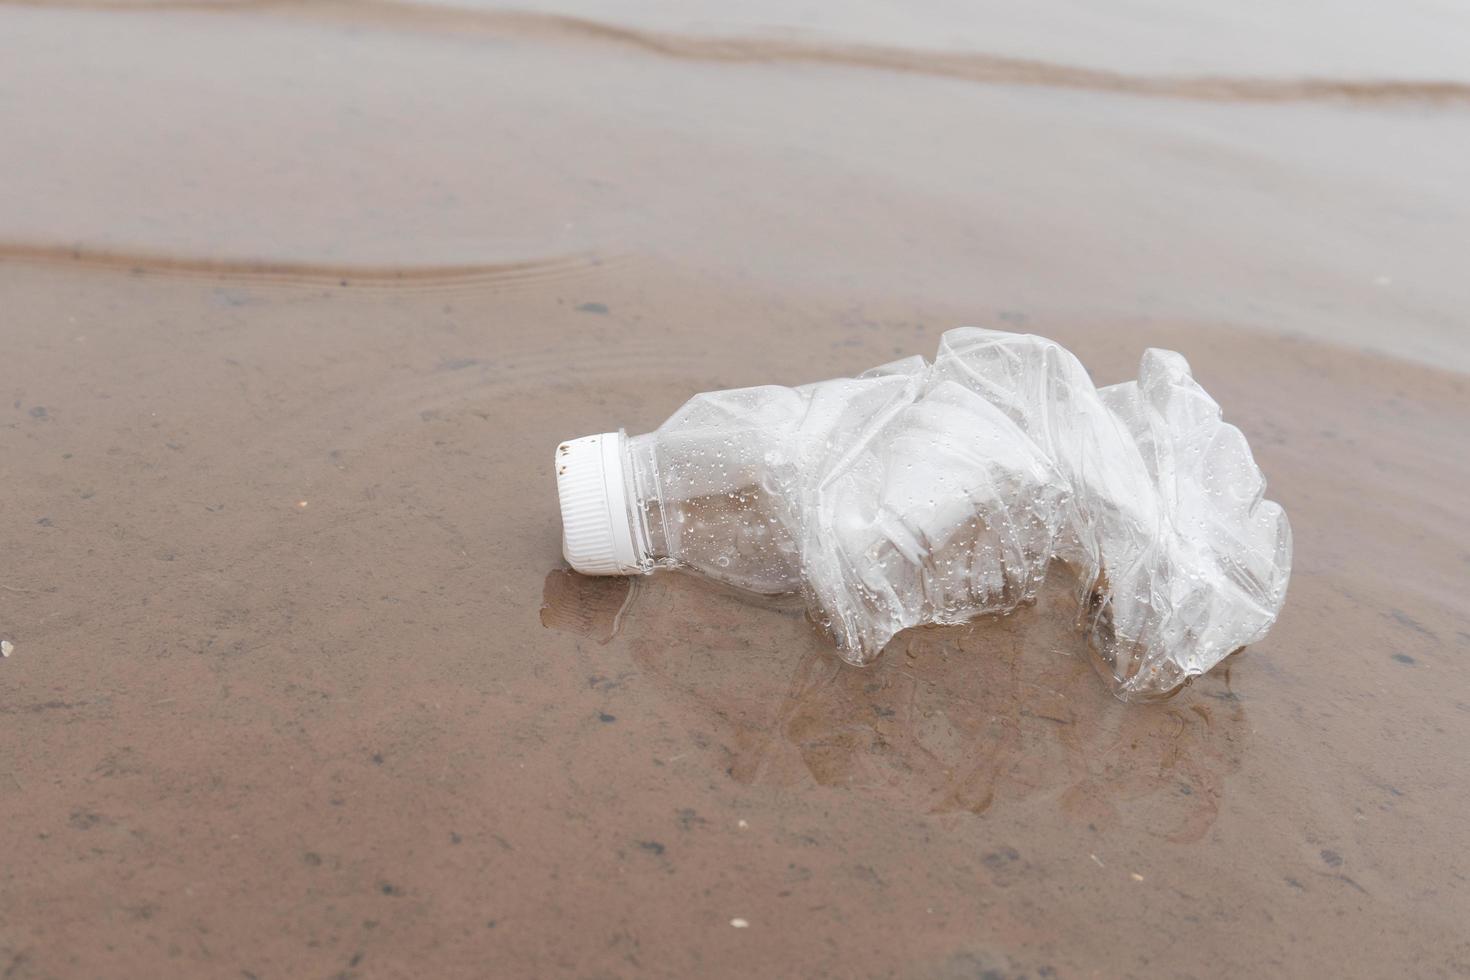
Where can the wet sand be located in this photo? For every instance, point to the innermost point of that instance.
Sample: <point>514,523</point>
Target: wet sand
<point>296,304</point>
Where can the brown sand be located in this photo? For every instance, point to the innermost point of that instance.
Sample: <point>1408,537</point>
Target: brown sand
<point>301,687</point>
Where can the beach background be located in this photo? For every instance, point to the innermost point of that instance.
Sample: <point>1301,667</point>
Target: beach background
<point>297,298</point>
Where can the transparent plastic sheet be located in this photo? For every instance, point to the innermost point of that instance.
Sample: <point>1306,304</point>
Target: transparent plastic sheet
<point>933,493</point>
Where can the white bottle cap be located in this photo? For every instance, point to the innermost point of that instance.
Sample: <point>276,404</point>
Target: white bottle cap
<point>596,533</point>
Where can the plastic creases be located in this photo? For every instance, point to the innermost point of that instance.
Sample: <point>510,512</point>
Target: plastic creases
<point>933,493</point>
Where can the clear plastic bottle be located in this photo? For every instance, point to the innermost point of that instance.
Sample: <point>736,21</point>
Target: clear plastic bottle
<point>933,493</point>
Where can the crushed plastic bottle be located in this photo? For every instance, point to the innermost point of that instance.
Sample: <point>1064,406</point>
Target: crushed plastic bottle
<point>923,493</point>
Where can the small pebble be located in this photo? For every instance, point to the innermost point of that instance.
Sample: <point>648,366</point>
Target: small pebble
<point>1135,876</point>
<point>739,923</point>
<point>6,648</point>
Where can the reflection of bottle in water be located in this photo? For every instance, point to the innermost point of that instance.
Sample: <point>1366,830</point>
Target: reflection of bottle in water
<point>919,493</point>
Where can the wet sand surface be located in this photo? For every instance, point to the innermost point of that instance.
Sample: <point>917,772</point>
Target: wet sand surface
<point>295,303</point>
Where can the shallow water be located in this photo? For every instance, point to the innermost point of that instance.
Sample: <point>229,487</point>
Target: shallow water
<point>298,299</point>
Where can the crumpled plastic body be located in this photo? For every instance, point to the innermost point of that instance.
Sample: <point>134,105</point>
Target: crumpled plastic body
<point>936,492</point>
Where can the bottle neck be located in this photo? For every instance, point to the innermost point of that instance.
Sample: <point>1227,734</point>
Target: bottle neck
<point>645,498</point>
